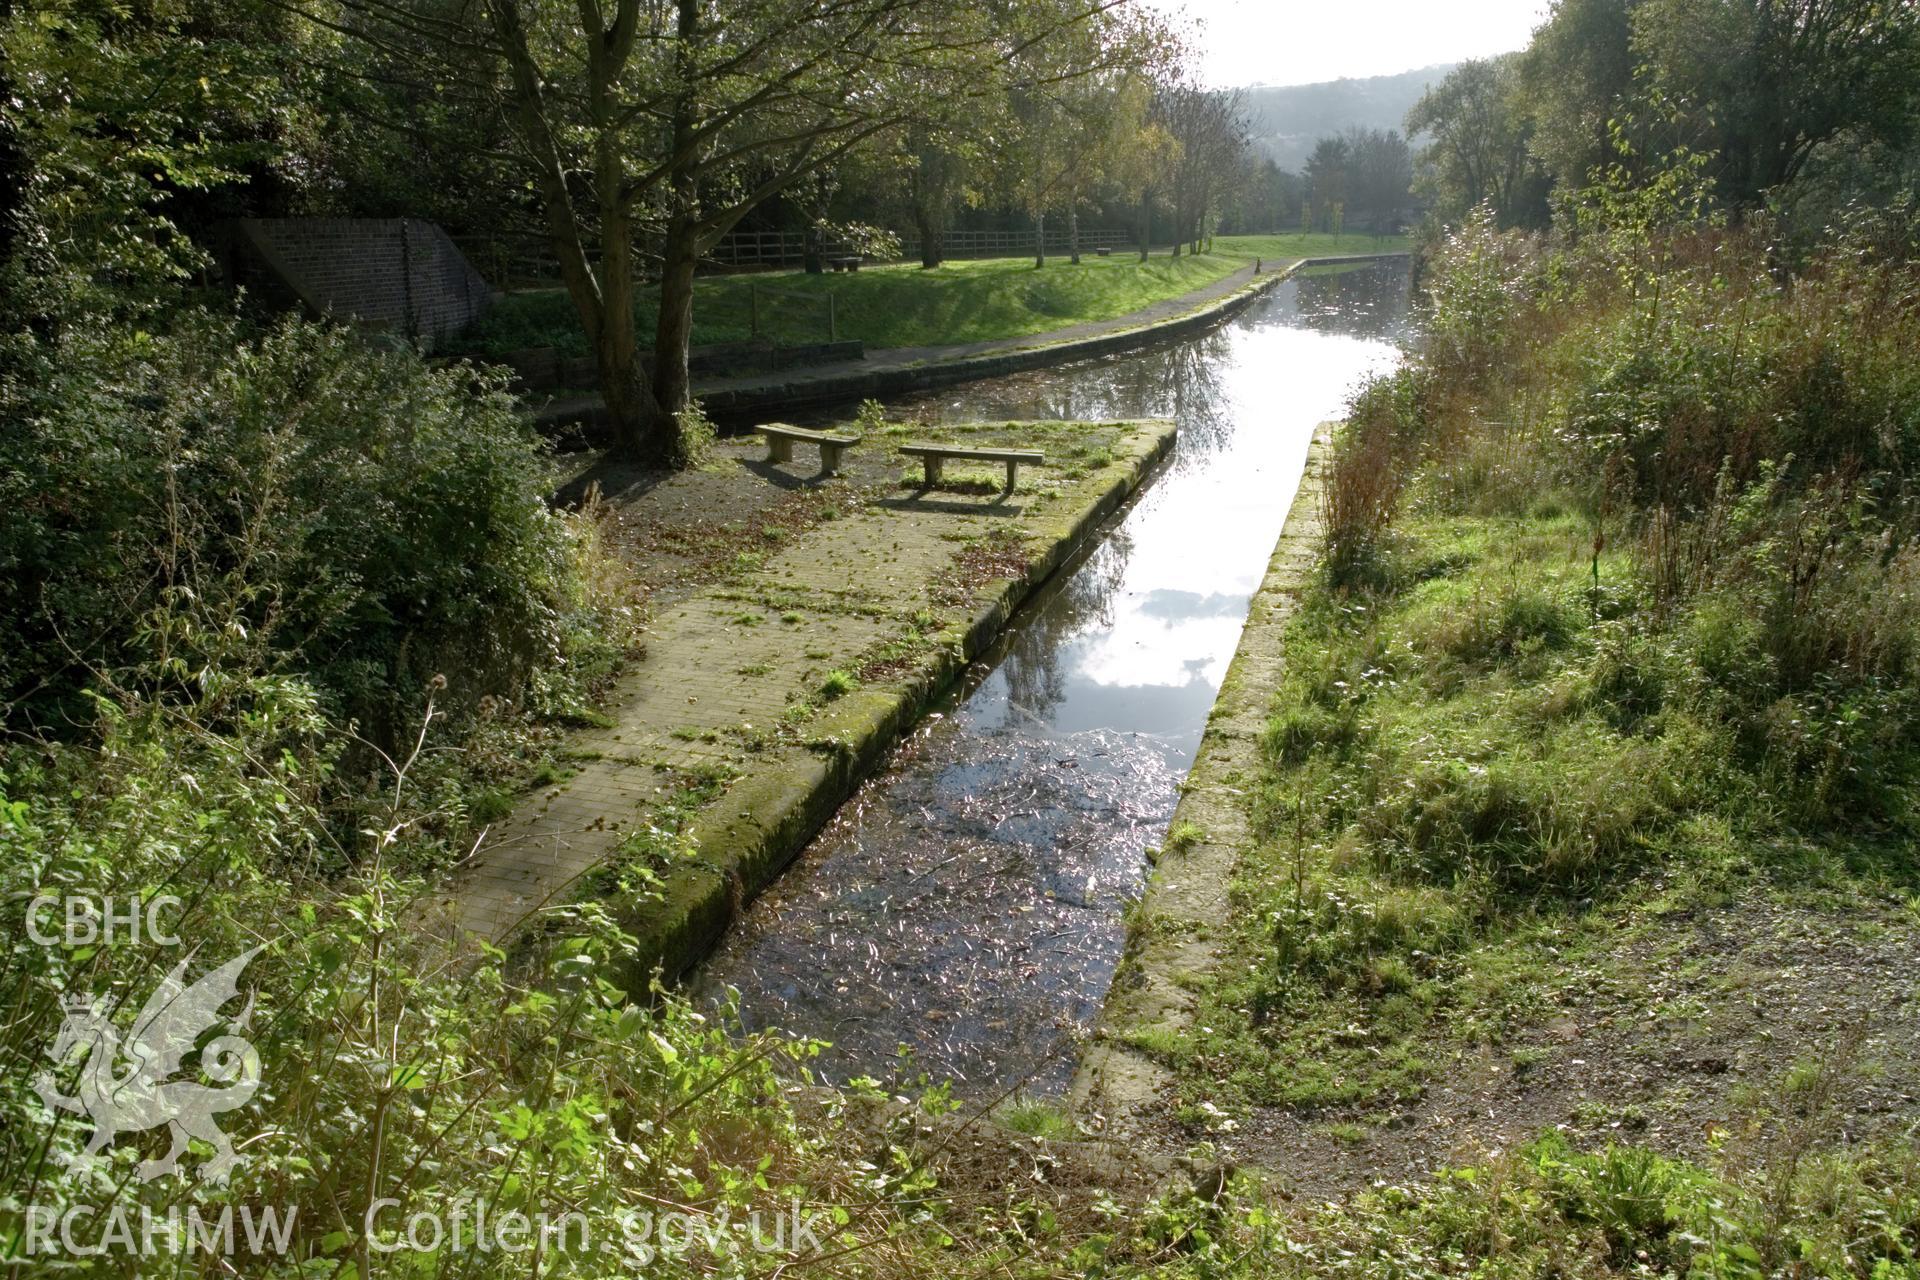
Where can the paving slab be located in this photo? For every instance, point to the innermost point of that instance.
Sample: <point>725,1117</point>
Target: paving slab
<point>770,693</point>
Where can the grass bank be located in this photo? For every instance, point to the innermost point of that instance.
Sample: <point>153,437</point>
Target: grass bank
<point>1584,807</point>
<point>899,305</point>
<point>1315,244</point>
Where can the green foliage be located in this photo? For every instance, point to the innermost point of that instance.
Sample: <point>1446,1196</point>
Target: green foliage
<point>1548,1209</point>
<point>1754,98</point>
<point>1182,836</point>
<point>1642,597</point>
<point>1852,64</point>
<point>1480,127</point>
<point>1038,1120</point>
<point>1479,275</point>
<point>870,419</point>
<point>392,1068</point>
<point>697,434</point>
<point>122,117</point>
<point>178,504</point>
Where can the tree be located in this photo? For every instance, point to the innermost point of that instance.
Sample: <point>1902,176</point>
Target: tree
<point>1146,154</point>
<point>1478,120</point>
<point>1068,112</point>
<point>714,113</point>
<point>662,123</point>
<point>1209,132</point>
<point>1770,80</point>
<point>1267,199</point>
<point>935,174</point>
<point>1578,78</point>
<point>1381,176</point>
<point>1328,178</point>
<point>116,119</point>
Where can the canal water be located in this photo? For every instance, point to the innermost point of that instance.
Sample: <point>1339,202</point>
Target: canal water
<point>963,913</point>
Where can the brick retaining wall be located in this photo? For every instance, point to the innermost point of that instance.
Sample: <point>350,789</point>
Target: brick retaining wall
<point>401,275</point>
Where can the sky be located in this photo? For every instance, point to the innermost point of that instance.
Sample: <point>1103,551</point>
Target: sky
<point>1244,42</point>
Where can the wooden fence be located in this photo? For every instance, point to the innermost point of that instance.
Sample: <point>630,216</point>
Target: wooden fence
<point>748,249</point>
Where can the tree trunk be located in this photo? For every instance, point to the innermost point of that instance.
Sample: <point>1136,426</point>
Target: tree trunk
<point>929,186</point>
<point>1073,233</point>
<point>679,254</point>
<point>672,387</point>
<point>603,299</point>
<point>1146,223</point>
<point>1039,241</point>
<point>932,238</point>
<point>624,387</point>
<point>813,256</point>
<point>641,430</point>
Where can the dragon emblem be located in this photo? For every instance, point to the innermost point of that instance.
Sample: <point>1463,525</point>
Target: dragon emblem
<point>141,1095</point>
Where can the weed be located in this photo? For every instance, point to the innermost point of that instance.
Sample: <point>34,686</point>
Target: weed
<point>1038,1120</point>
<point>694,443</point>
<point>1182,836</point>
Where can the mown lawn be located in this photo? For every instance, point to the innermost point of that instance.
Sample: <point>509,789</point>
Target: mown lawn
<point>1313,245</point>
<point>899,305</point>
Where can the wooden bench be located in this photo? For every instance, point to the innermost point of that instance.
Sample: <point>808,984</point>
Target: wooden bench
<point>781,438</point>
<point>933,455</point>
<point>844,264</point>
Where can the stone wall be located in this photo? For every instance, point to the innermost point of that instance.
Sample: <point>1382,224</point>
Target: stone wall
<point>400,275</point>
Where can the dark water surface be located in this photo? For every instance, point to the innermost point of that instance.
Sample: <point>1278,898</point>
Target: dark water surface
<point>967,901</point>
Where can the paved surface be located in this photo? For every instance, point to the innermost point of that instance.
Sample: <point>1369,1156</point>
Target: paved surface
<point>732,674</point>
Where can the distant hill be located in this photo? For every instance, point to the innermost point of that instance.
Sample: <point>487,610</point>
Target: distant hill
<point>1287,119</point>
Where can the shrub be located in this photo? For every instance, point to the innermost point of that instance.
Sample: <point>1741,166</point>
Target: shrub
<point>392,1066</point>
<point>174,504</point>
<point>1358,503</point>
<point>696,436</point>
<point>1479,282</point>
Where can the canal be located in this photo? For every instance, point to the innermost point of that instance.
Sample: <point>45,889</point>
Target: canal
<point>968,902</point>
